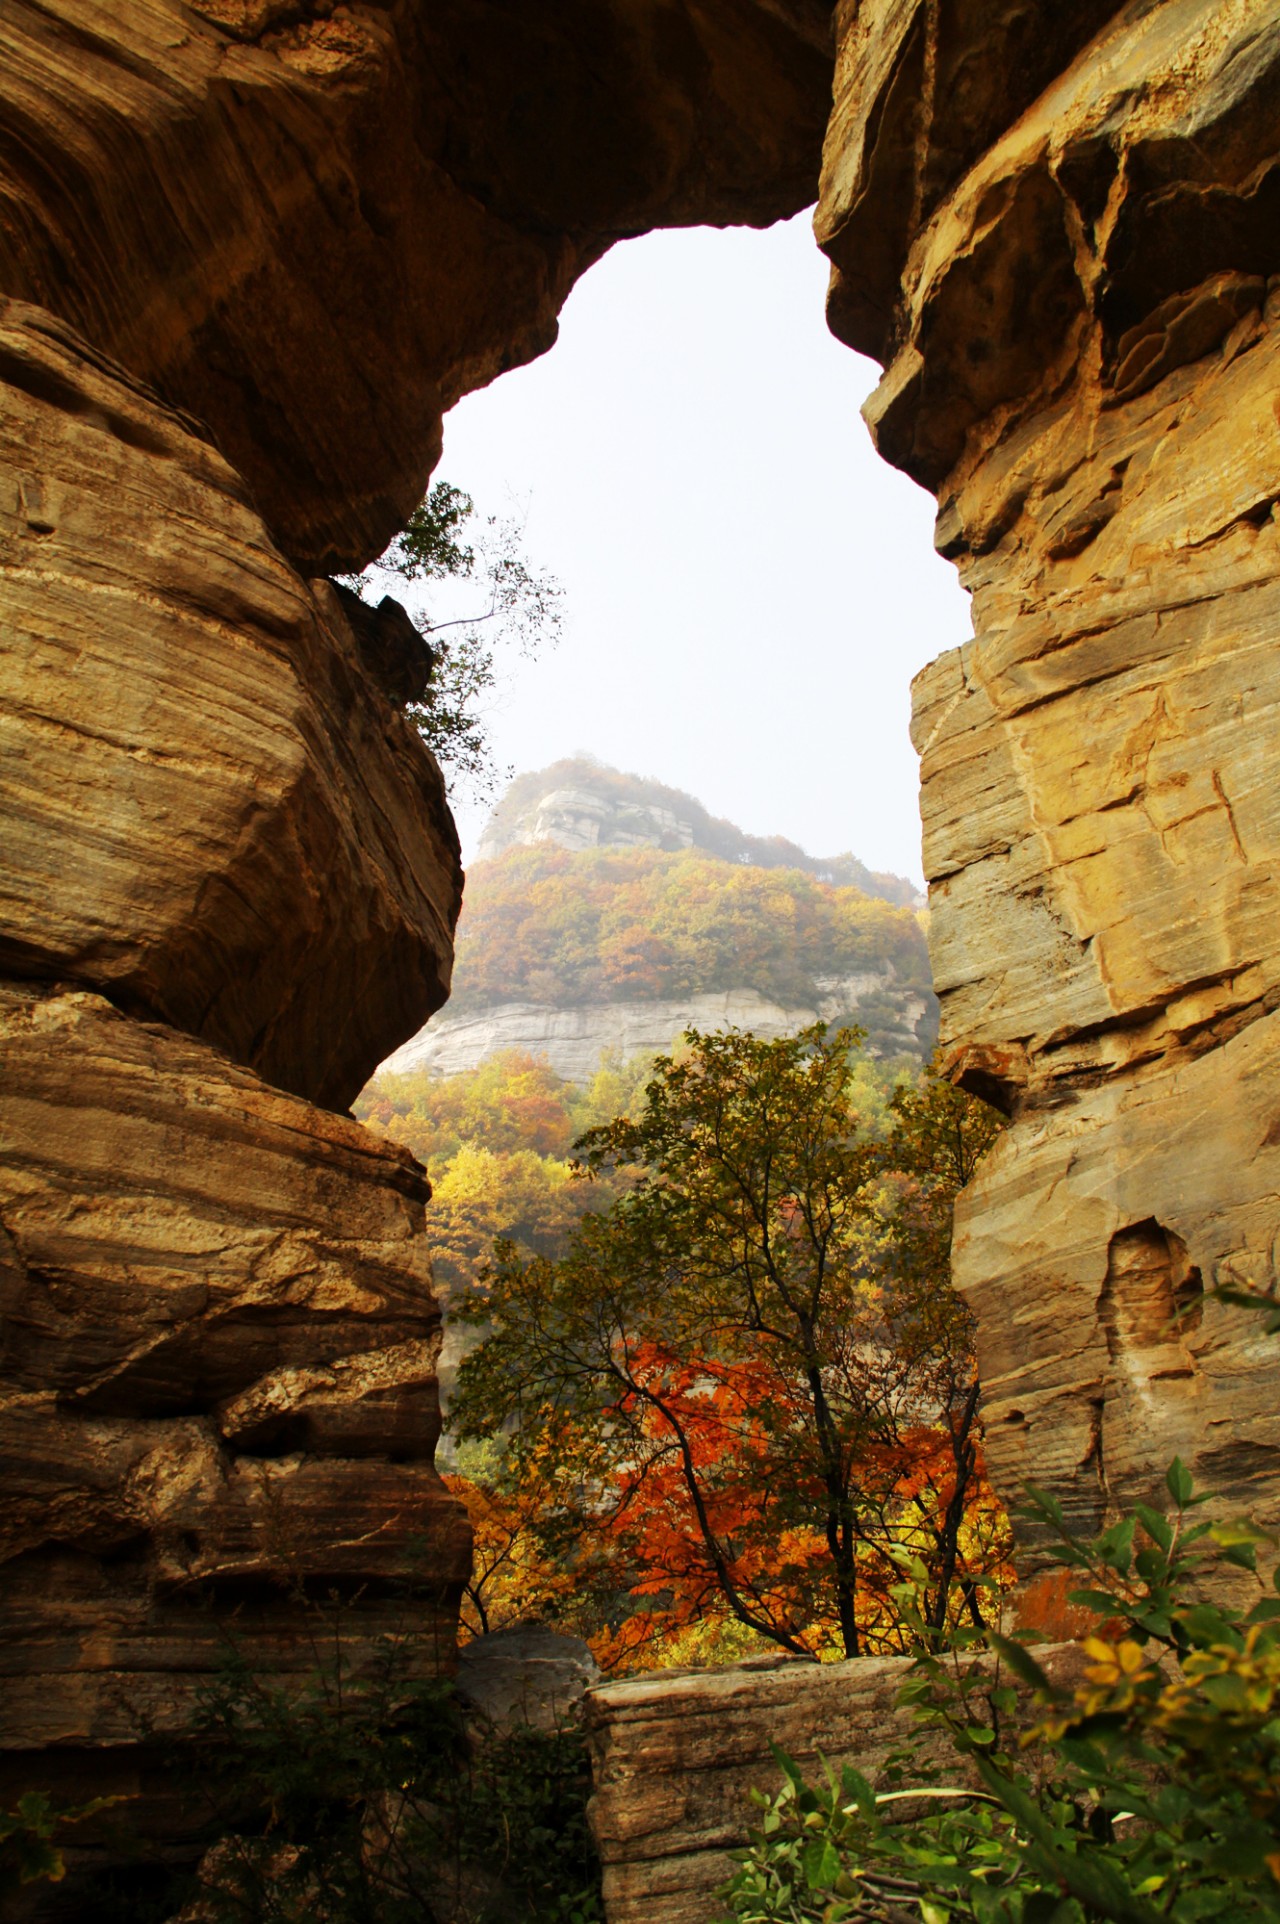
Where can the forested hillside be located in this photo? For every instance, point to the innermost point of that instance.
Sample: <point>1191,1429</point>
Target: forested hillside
<point>597,919</point>
<point>608,911</point>
<point>580,802</point>
<point>603,925</point>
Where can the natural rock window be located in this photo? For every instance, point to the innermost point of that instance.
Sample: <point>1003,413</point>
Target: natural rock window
<point>1153,1292</point>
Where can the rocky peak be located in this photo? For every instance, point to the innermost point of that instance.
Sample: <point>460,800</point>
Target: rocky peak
<point>579,816</point>
<point>580,803</point>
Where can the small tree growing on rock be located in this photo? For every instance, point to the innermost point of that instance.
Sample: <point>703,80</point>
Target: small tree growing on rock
<point>518,610</point>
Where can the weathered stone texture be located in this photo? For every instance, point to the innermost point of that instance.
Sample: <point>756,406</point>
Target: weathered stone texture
<point>210,809</point>
<point>316,223</point>
<point>1073,280</point>
<point>675,1754</point>
<point>249,252</point>
<point>217,1381</point>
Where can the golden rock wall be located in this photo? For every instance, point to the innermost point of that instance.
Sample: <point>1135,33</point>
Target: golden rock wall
<point>1078,314</point>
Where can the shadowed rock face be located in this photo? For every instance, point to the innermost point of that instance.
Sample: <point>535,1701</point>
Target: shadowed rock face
<point>314,225</point>
<point>675,1753</point>
<point>311,226</point>
<point>217,1351</point>
<point>1068,261</point>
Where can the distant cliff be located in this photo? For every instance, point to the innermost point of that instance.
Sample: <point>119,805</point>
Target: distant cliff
<point>610,913</point>
<point>574,1039</point>
<point>579,804</point>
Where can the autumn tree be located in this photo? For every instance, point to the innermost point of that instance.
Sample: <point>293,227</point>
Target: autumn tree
<point>554,926</point>
<point>747,1380</point>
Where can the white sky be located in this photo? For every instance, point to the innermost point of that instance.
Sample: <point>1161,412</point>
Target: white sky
<point>749,588</point>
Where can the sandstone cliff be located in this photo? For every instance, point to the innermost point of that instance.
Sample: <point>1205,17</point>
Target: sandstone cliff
<point>249,252</point>
<point>1059,232</point>
<point>316,223</point>
<point>270,240</point>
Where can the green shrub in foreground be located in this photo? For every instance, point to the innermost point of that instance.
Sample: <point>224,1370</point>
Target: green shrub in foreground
<point>1151,1792</point>
<point>369,1801</point>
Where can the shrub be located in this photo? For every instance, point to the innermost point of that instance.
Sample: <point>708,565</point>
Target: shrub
<point>1150,1792</point>
<point>370,1797</point>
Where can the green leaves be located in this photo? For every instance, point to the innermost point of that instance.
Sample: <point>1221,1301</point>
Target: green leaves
<point>30,1851</point>
<point>1016,1657</point>
<point>510,605</point>
<point>431,548</point>
<point>1178,1482</point>
<point>1157,1527</point>
<point>821,1864</point>
<point>1149,1794</point>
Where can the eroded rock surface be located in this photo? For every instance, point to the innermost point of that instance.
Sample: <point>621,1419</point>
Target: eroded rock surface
<point>210,808</point>
<point>676,1753</point>
<point>316,223</point>
<point>250,250</point>
<point>217,1386</point>
<point>1067,256</point>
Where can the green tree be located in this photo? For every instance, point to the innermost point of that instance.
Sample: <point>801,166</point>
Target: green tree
<point>735,1376</point>
<point>516,610</point>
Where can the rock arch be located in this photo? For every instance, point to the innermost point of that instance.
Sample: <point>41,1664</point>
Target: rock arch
<point>250,250</point>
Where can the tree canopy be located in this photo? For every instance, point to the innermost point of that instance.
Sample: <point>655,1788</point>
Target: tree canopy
<point>746,1385</point>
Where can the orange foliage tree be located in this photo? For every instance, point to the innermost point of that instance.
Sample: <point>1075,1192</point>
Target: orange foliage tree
<point>747,1385</point>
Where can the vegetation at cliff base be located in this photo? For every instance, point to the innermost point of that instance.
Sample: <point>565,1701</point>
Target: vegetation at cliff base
<point>1143,1789</point>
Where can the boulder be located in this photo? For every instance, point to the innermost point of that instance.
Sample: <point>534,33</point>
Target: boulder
<point>526,1673</point>
<point>210,808</point>
<point>677,1753</point>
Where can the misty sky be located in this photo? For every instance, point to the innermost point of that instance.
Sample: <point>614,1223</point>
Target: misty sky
<point>749,588</point>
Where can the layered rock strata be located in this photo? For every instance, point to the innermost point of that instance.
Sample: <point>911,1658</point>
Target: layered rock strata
<point>316,223</point>
<point>214,811</point>
<point>250,250</point>
<point>218,1338</point>
<point>1062,238</point>
<point>675,1754</point>
<point>217,1387</point>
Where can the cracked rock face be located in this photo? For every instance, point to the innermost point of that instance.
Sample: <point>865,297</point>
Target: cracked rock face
<point>1073,282</point>
<point>675,1753</point>
<point>211,810</point>
<point>250,250</point>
